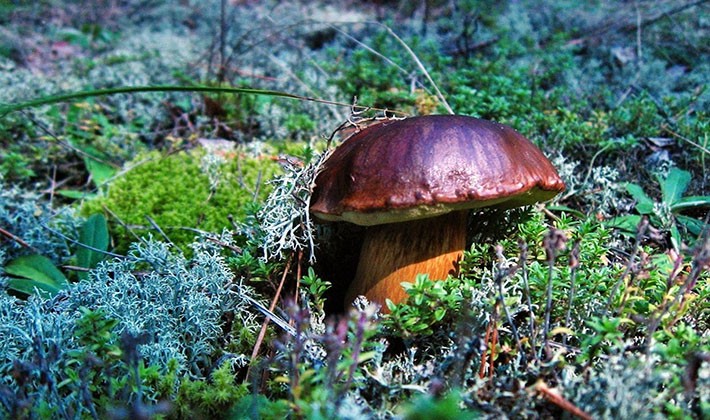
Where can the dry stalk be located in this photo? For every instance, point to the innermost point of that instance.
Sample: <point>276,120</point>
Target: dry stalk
<point>554,397</point>
<point>491,341</point>
<point>15,238</point>
<point>262,332</point>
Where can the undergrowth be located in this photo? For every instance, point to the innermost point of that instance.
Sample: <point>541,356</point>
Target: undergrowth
<point>213,298</point>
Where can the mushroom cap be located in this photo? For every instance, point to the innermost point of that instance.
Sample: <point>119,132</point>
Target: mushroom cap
<point>420,167</point>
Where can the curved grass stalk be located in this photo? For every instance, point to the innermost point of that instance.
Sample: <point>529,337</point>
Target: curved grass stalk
<point>73,96</point>
<point>423,69</point>
<point>409,51</point>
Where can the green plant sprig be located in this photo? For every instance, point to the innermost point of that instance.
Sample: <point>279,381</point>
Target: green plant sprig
<point>73,96</point>
<point>666,213</point>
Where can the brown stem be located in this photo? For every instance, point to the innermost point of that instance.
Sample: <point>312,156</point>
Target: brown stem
<point>397,252</point>
<point>265,324</point>
<point>14,238</point>
<point>552,396</point>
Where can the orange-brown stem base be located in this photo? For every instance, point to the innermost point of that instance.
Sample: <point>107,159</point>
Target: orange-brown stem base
<point>397,252</point>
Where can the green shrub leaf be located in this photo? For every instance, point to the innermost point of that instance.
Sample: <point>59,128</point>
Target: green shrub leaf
<point>674,185</point>
<point>76,194</point>
<point>100,171</point>
<point>691,202</point>
<point>693,225</point>
<point>644,204</point>
<point>35,271</point>
<point>627,223</point>
<point>94,233</point>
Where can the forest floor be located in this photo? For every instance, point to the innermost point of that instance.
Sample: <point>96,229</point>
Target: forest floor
<point>159,259</point>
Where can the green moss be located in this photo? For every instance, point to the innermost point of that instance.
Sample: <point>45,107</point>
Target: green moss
<point>181,192</point>
<point>209,399</point>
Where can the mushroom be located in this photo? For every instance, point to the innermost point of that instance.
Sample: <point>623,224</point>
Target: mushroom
<point>412,183</point>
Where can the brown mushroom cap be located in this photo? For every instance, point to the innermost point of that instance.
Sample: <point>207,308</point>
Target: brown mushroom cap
<point>426,166</point>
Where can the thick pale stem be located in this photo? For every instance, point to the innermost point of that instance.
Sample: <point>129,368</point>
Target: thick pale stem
<point>397,252</point>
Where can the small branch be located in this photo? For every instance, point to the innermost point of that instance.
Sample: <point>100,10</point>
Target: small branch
<point>554,242</point>
<point>76,268</point>
<point>234,248</point>
<point>552,396</point>
<point>222,41</point>
<point>299,263</point>
<point>120,222</point>
<point>15,238</point>
<point>491,341</point>
<point>155,226</point>
<point>262,333</point>
<point>573,264</point>
<point>639,23</point>
<point>522,264</point>
<point>499,277</point>
<point>471,48</point>
<point>77,243</point>
<point>687,140</point>
<point>486,340</point>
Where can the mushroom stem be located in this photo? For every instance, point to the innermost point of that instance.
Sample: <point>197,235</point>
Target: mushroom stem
<point>397,252</point>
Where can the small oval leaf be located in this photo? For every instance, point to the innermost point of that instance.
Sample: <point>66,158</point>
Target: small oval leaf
<point>94,233</point>
<point>35,271</point>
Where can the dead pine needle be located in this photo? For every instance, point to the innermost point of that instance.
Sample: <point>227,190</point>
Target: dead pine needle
<point>14,238</point>
<point>439,95</point>
<point>265,324</point>
<point>554,397</point>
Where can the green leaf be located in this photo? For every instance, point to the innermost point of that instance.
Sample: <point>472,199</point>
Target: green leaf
<point>100,171</point>
<point>75,194</point>
<point>418,328</point>
<point>365,356</point>
<point>94,233</point>
<point>627,223</point>
<point>35,271</point>
<point>418,300</point>
<point>407,286</point>
<point>674,185</point>
<point>391,306</point>
<point>565,209</point>
<point>676,240</point>
<point>691,203</point>
<point>644,204</point>
<point>96,164</point>
<point>693,225</point>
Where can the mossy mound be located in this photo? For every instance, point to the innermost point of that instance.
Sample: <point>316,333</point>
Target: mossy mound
<point>182,193</point>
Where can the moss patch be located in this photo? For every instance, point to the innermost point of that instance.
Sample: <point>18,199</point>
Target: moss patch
<point>185,190</point>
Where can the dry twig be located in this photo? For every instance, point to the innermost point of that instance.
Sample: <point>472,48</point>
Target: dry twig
<point>554,397</point>
<point>14,238</point>
<point>277,295</point>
